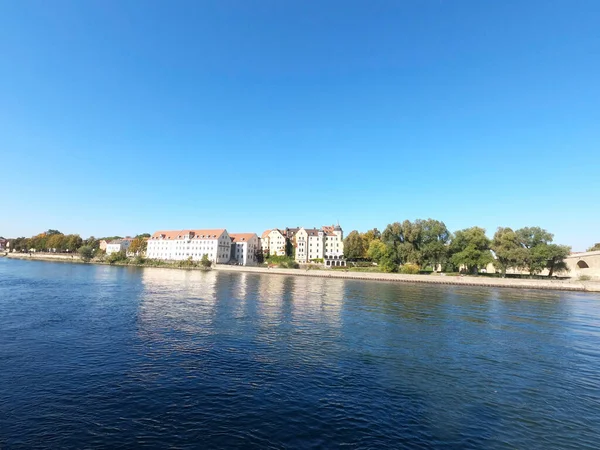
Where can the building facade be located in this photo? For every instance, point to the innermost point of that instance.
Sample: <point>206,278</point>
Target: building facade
<point>184,244</point>
<point>244,247</point>
<point>118,245</point>
<point>324,246</point>
<point>274,242</point>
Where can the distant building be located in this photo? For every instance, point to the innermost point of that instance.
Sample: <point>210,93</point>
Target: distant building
<point>324,245</point>
<point>334,246</point>
<point>103,244</point>
<point>243,248</point>
<point>118,245</point>
<point>183,244</point>
<point>3,244</point>
<point>273,242</point>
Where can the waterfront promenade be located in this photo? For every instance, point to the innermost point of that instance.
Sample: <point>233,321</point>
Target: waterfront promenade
<point>551,284</point>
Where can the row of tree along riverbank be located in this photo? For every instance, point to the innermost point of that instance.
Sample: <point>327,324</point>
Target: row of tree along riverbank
<point>409,247</point>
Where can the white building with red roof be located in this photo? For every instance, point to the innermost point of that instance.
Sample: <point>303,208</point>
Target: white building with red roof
<point>180,245</point>
<point>273,242</point>
<point>244,247</point>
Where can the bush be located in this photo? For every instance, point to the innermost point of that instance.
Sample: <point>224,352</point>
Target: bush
<point>205,262</point>
<point>187,263</point>
<point>411,269</point>
<point>284,262</point>
<point>318,260</point>
<point>139,260</point>
<point>116,257</point>
<point>584,278</point>
<point>100,255</point>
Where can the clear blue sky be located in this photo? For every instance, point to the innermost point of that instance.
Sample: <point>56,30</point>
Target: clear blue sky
<point>306,113</point>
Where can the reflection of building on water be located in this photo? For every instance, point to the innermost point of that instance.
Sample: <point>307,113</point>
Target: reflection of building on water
<point>176,300</point>
<point>302,297</point>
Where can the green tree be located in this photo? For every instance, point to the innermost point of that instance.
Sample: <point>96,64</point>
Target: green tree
<point>138,246</point>
<point>533,240</point>
<point>92,242</point>
<point>354,246</point>
<point>508,250</point>
<point>382,255</point>
<point>367,238</point>
<point>260,256</point>
<point>55,242</point>
<point>143,235</point>
<point>86,252</point>
<point>401,240</point>
<point>73,242</point>
<point>470,248</point>
<point>433,243</point>
<point>554,256</point>
<point>205,262</point>
<point>289,248</point>
<point>594,248</point>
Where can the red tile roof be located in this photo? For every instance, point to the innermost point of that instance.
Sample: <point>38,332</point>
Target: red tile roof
<point>241,237</point>
<point>197,234</point>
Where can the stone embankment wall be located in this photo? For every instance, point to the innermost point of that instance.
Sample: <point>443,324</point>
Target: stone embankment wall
<point>46,256</point>
<point>566,285</point>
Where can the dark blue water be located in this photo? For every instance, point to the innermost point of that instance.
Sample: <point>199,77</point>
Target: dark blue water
<point>99,356</point>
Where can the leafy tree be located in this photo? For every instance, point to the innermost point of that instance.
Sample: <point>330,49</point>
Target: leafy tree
<point>508,250</point>
<point>354,246</point>
<point>401,241</point>
<point>382,255</point>
<point>55,242</point>
<point>533,240</point>
<point>259,255</point>
<point>86,252</point>
<point>531,237</point>
<point>367,238</point>
<point>143,235</point>
<point>470,248</point>
<point>289,248</point>
<point>554,256</point>
<point>92,242</point>
<point>52,232</point>
<point>205,262</point>
<point>433,242</point>
<point>138,246</point>
<point>594,248</point>
<point>73,242</point>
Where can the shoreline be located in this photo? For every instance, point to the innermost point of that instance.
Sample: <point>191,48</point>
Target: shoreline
<point>559,285</point>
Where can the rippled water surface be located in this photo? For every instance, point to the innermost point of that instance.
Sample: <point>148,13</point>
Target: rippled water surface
<point>99,356</point>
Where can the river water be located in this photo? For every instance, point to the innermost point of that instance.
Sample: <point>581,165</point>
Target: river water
<point>116,357</point>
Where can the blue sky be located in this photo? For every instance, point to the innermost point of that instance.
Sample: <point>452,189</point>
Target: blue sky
<point>304,113</point>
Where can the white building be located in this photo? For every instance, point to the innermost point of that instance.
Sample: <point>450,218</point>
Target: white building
<point>273,242</point>
<point>183,244</point>
<point>118,245</point>
<point>326,244</point>
<point>334,246</point>
<point>244,247</point>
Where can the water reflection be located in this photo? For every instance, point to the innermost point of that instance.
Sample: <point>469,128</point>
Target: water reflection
<point>126,357</point>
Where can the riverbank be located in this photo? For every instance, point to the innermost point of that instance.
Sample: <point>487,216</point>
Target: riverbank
<point>563,285</point>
